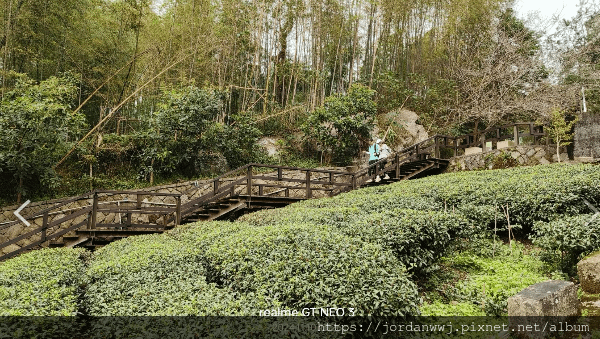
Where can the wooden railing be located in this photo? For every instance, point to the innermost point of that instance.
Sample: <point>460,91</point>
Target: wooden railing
<point>259,180</point>
<point>95,210</point>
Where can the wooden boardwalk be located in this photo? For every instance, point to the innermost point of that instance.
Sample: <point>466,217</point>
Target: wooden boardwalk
<point>99,217</point>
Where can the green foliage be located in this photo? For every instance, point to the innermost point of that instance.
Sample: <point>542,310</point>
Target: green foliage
<point>155,276</point>
<point>188,112</point>
<point>37,128</point>
<point>567,239</point>
<point>477,200</point>
<point>343,124</point>
<point>416,238</point>
<point>500,160</point>
<point>225,268</point>
<point>493,280</point>
<point>559,129</point>
<point>353,250</point>
<point>188,138</point>
<point>45,282</point>
<point>488,281</point>
<point>309,266</point>
<point>456,309</point>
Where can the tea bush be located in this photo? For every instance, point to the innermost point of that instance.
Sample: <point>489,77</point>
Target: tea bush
<point>416,238</point>
<point>46,282</point>
<point>567,239</point>
<point>155,275</point>
<point>305,266</point>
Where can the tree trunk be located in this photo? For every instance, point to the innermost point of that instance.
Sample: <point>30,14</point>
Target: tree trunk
<point>20,190</point>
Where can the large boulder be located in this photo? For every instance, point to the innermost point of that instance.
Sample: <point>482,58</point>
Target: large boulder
<point>588,271</point>
<point>270,145</point>
<point>555,298</point>
<point>408,119</point>
<point>550,304</point>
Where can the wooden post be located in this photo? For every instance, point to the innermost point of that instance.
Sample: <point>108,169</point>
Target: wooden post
<point>483,145</point>
<point>397,160</point>
<point>260,190</point>
<point>437,148</point>
<point>94,210</point>
<point>128,218</point>
<point>249,184</point>
<point>531,128</point>
<point>215,186</point>
<point>44,226</point>
<point>455,144</point>
<point>308,190</point>
<point>178,211</point>
<point>287,192</point>
<point>353,181</point>
<point>516,134</point>
<point>139,201</point>
<point>330,178</point>
<point>279,173</point>
<point>417,152</point>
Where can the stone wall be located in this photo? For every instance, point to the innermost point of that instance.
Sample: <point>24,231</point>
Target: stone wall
<point>503,158</point>
<point>587,136</point>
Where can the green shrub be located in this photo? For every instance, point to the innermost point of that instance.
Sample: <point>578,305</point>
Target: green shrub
<point>417,238</point>
<point>567,239</point>
<point>491,281</point>
<point>304,266</point>
<point>155,275</point>
<point>537,193</point>
<point>46,282</point>
<point>457,309</point>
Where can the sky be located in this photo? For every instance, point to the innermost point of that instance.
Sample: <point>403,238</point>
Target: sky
<point>564,9</point>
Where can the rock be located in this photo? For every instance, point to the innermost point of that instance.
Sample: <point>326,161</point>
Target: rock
<point>10,248</point>
<point>554,298</point>
<point>408,119</point>
<point>472,150</point>
<point>270,144</point>
<point>505,144</point>
<point>531,152</point>
<point>563,157</point>
<point>540,154</point>
<point>588,271</point>
<point>544,161</point>
<point>15,231</point>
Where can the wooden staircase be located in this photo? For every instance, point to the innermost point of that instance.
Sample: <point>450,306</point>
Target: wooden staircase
<point>100,217</point>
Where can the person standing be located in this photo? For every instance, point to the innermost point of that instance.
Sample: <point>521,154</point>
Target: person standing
<point>383,154</point>
<point>374,151</point>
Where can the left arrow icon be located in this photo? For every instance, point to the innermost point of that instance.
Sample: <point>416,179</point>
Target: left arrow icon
<point>19,211</point>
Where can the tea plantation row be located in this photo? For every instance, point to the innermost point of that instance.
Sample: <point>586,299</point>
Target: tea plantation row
<point>366,249</point>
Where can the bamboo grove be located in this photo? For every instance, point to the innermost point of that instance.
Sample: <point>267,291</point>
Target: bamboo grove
<point>437,56</point>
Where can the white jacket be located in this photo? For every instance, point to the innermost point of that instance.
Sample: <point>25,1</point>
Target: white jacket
<point>385,151</point>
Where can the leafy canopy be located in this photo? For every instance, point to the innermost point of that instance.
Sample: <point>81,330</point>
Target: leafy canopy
<point>343,124</point>
<point>37,127</point>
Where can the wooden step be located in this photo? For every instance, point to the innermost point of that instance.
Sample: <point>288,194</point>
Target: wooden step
<point>118,233</point>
